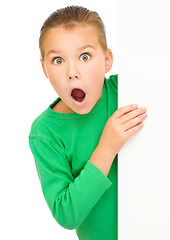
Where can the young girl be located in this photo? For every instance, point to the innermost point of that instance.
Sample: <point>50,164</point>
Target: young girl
<point>76,140</point>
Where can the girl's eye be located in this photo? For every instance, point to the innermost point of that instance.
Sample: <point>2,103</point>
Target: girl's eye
<point>58,61</point>
<point>85,57</point>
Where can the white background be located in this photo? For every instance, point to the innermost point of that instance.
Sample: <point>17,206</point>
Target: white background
<point>144,161</point>
<point>24,94</point>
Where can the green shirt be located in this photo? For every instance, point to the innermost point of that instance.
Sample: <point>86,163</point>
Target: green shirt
<point>78,194</point>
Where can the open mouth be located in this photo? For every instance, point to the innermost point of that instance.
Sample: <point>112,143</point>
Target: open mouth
<point>78,94</point>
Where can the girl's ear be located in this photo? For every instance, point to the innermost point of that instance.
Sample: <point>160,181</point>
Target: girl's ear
<point>44,68</point>
<point>108,60</point>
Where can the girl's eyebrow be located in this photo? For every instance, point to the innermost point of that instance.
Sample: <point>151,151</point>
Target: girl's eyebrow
<point>54,51</point>
<point>79,49</point>
<point>86,46</point>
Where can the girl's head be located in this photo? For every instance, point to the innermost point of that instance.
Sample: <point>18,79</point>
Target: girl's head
<point>75,57</point>
<point>71,17</point>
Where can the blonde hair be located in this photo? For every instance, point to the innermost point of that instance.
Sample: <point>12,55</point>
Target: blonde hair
<point>73,16</point>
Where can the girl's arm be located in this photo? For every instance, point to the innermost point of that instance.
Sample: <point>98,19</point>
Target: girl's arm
<point>71,199</point>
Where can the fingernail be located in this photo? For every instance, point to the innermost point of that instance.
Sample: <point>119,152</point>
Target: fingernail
<point>144,114</point>
<point>143,108</point>
<point>135,105</point>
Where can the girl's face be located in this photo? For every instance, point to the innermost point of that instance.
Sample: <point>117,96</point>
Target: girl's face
<point>75,64</point>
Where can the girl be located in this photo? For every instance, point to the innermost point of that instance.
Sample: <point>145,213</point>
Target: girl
<point>76,140</point>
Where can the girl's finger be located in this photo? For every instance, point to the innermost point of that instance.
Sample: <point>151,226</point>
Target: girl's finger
<point>134,122</point>
<point>133,130</point>
<point>124,110</point>
<point>133,114</point>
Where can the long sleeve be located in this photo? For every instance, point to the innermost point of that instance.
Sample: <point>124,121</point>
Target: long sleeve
<point>69,199</point>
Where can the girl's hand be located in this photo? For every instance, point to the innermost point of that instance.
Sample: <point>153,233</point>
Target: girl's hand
<point>125,122</point>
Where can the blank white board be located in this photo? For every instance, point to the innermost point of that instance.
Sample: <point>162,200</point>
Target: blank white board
<point>144,161</point>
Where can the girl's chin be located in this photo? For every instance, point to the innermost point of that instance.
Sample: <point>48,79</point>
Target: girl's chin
<point>84,110</point>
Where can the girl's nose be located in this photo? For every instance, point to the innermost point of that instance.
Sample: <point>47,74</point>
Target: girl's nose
<point>73,76</point>
<point>73,72</point>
